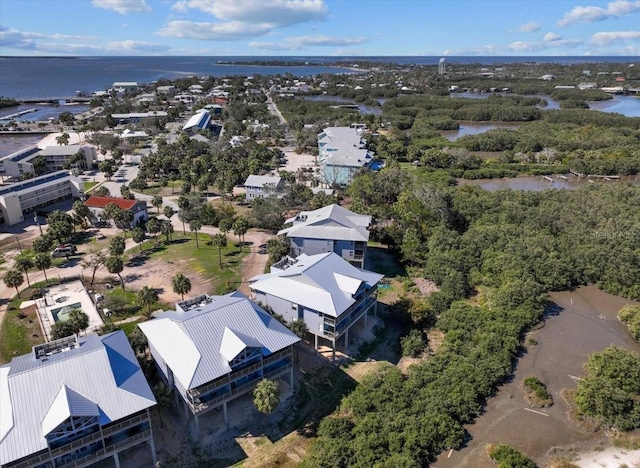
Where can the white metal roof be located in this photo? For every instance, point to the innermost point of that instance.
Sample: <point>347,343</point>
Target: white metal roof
<point>201,341</point>
<point>102,369</point>
<point>329,222</point>
<point>325,283</point>
<point>200,119</point>
<point>261,181</point>
<point>68,403</point>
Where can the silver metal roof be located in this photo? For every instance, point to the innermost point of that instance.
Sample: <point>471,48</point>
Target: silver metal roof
<point>36,393</point>
<point>329,222</point>
<point>261,181</point>
<point>325,283</point>
<point>198,344</point>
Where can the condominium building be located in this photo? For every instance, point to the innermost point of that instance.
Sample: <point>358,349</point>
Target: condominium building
<point>214,349</point>
<point>73,402</point>
<point>19,199</point>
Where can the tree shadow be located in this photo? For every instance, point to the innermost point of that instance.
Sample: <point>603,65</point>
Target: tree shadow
<point>383,261</point>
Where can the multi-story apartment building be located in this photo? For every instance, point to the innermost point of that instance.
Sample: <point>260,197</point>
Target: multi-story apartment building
<point>324,290</point>
<point>214,349</point>
<point>73,402</point>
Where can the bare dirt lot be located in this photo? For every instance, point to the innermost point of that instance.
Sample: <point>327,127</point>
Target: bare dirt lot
<point>583,321</point>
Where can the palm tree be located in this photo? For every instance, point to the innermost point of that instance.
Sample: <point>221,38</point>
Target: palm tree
<point>299,328</point>
<point>138,236</point>
<point>195,225</point>
<point>181,285</point>
<point>183,204</point>
<point>115,266</point>
<point>24,264</point>
<point>168,211</point>
<point>156,201</point>
<point>13,279</point>
<point>42,261</point>
<point>266,396</point>
<point>240,228</point>
<point>146,297</point>
<point>167,229</point>
<point>163,398</point>
<point>219,240</point>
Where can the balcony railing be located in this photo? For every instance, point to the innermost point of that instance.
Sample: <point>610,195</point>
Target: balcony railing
<point>220,383</point>
<point>109,450</point>
<point>84,441</point>
<point>241,390</point>
<point>353,313</point>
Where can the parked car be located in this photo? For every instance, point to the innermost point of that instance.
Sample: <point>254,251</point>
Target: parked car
<point>63,251</point>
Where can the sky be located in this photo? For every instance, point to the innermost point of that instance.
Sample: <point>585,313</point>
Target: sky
<point>319,27</point>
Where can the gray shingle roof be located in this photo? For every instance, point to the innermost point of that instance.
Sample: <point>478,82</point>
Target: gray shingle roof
<point>36,393</point>
<point>324,282</point>
<point>198,344</point>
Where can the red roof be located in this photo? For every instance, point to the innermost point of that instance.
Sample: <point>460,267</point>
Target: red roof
<point>101,202</point>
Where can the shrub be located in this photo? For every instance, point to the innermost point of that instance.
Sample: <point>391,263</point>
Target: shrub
<point>630,316</point>
<point>506,456</point>
<point>413,344</point>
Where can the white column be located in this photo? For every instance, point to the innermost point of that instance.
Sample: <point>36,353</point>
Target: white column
<point>366,316</point>
<point>346,339</point>
<point>152,446</point>
<point>116,459</point>
<point>225,414</point>
<point>316,345</point>
<point>196,424</point>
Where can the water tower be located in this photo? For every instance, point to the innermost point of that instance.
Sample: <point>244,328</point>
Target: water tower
<point>441,67</point>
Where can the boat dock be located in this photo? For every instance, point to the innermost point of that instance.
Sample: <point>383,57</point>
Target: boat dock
<point>18,114</point>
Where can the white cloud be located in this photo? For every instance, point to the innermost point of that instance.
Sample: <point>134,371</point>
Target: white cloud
<point>296,43</point>
<point>605,38</point>
<point>61,44</point>
<point>274,12</point>
<point>213,31</point>
<point>123,6</point>
<point>589,14</point>
<point>520,46</point>
<point>551,37</point>
<point>242,19</point>
<point>14,39</point>
<point>531,26</point>
<point>135,46</point>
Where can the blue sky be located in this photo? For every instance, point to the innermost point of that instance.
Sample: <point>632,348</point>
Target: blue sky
<point>319,27</point>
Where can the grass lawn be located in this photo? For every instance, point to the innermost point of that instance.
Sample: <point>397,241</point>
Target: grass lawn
<point>125,303</point>
<point>241,210</point>
<point>203,261</point>
<point>88,185</point>
<point>128,328</point>
<point>20,330</point>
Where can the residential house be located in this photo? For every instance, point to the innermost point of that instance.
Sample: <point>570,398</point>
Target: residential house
<point>329,229</point>
<point>137,208</point>
<point>214,349</point>
<point>16,200</point>
<point>341,152</point>
<point>74,402</point>
<point>324,290</point>
<point>261,186</point>
<point>199,121</point>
